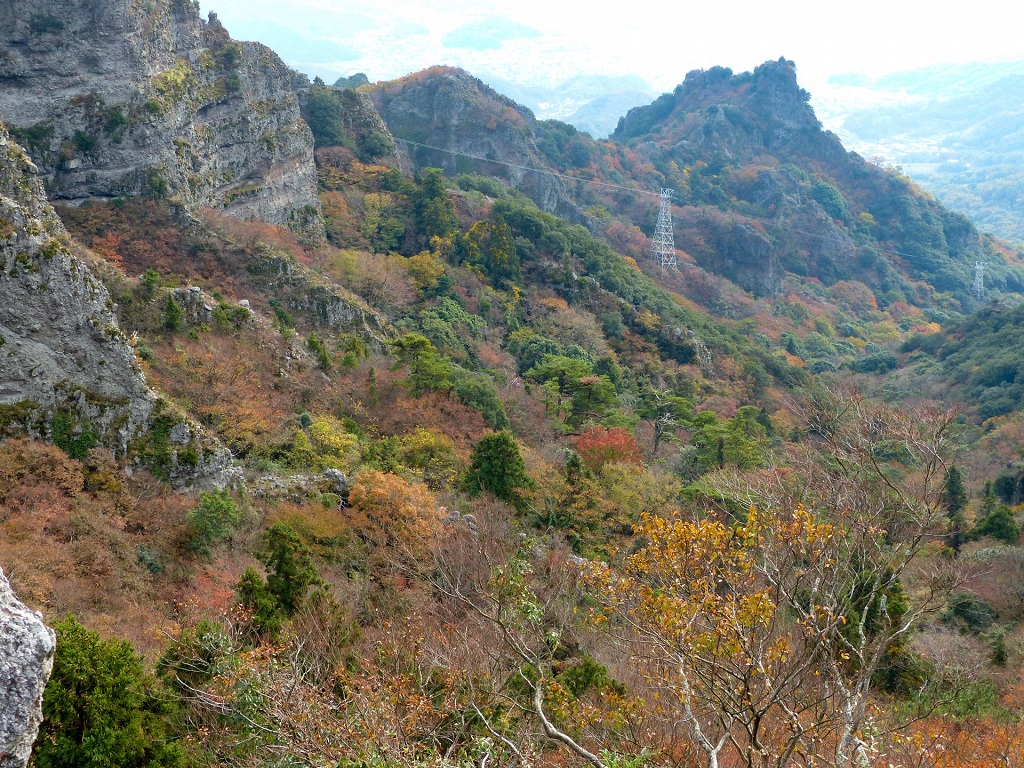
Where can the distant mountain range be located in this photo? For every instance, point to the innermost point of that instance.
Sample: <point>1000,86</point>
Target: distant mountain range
<point>959,132</point>
<point>591,103</point>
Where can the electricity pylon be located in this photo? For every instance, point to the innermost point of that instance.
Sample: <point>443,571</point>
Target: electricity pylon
<point>979,280</point>
<point>663,249</point>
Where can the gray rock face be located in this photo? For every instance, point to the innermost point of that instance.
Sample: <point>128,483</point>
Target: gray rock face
<point>26,660</point>
<point>327,304</point>
<point>129,97</point>
<point>450,109</point>
<point>61,347</point>
<point>66,370</point>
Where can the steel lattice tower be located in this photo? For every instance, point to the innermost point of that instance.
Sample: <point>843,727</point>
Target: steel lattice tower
<point>663,249</point>
<point>979,280</point>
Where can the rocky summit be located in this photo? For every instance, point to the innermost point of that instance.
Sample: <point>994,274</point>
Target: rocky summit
<point>447,118</point>
<point>26,658</point>
<point>135,98</point>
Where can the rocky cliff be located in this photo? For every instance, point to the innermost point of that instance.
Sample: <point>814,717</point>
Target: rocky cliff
<point>26,660</point>
<point>140,97</point>
<point>472,129</point>
<point>67,372</point>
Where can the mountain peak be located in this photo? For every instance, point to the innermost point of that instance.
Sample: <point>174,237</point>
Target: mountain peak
<point>767,102</point>
<point>450,119</point>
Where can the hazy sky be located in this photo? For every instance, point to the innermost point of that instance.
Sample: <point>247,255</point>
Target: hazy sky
<point>545,41</point>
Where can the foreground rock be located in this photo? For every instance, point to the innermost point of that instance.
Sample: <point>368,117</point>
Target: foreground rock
<point>124,97</point>
<point>26,659</point>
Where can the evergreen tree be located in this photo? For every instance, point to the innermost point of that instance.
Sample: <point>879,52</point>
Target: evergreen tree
<point>502,259</point>
<point>101,708</point>
<point>435,212</point>
<point>214,520</point>
<point>290,569</point>
<point>954,495</point>
<point>428,370</point>
<point>172,314</point>
<point>954,500</point>
<point>497,466</point>
<point>265,616</point>
<point>290,576</point>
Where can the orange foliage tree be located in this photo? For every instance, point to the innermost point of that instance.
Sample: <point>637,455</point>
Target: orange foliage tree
<point>393,513</point>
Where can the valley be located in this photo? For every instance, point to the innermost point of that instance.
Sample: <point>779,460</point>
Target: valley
<point>355,425</point>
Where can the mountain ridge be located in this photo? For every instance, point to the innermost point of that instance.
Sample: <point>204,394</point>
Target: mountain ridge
<point>745,145</point>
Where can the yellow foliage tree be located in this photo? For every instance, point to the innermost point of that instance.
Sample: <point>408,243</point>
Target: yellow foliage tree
<point>330,441</point>
<point>425,270</point>
<point>704,630</point>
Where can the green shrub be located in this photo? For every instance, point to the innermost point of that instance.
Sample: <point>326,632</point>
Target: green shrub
<point>971,611</point>
<point>196,655</point>
<point>479,391</point>
<point>323,357</point>
<point>84,142</point>
<point>102,709</point>
<point>44,23</point>
<point>73,437</point>
<point>998,523</point>
<point>115,119</point>
<point>151,280</point>
<point>214,520</point>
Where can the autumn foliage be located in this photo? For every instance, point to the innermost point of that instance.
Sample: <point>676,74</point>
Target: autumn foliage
<point>600,445</point>
<point>393,514</point>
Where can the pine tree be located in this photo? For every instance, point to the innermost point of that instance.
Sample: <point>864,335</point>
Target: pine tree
<point>954,500</point>
<point>428,370</point>
<point>954,495</point>
<point>497,466</point>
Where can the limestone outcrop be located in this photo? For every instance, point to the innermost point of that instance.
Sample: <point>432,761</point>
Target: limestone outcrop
<point>67,372</point>
<point>130,97</point>
<point>26,660</point>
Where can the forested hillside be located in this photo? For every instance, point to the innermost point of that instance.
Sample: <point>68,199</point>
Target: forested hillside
<point>505,492</point>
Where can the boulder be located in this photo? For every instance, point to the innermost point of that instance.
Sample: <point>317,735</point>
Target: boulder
<point>26,660</point>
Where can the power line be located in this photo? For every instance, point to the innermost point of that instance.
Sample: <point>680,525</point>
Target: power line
<point>855,245</point>
<point>630,189</point>
<point>529,168</point>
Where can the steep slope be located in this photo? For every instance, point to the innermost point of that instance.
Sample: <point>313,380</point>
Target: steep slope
<point>476,130</point>
<point>138,98</point>
<point>751,145</point>
<point>67,371</point>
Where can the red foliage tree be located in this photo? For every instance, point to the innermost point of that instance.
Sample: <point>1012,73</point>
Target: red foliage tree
<point>599,445</point>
